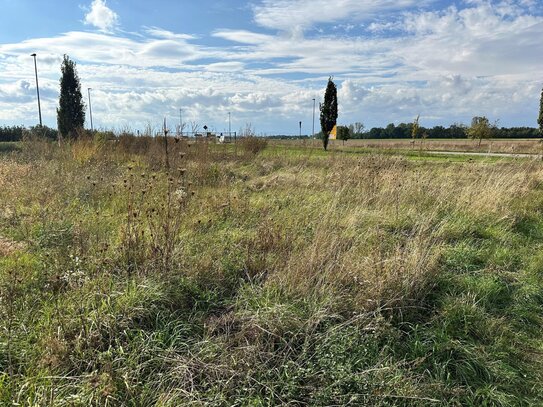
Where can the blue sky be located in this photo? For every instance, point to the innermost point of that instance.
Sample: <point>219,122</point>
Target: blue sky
<point>265,60</point>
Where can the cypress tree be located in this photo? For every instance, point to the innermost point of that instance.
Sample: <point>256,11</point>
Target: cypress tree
<point>71,111</point>
<point>328,111</point>
<point>540,119</point>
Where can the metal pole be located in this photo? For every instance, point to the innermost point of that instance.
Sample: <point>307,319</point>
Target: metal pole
<point>37,86</point>
<point>180,121</point>
<point>300,129</point>
<point>313,134</point>
<point>229,126</point>
<point>90,109</point>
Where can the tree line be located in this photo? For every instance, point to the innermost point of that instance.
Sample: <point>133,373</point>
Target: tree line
<point>401,131</point>
<point>17,133</point>
<point>405,131</point>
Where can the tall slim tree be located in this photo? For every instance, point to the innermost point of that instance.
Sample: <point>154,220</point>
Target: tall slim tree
<point>71,110</point>
<point>540,119</point>
<point>328,111</point>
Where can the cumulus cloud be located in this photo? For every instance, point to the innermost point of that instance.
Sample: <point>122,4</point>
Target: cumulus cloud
<point>101,16</point>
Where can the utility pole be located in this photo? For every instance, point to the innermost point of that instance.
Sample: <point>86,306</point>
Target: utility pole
<point>181,122</point>
<point>37,86</point>
<point>90,109</point>
<point>300,129</point>
<point>165,129</point>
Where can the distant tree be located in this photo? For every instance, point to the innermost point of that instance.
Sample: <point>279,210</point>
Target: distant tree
<point>328,111</point>
<point>415,128</point>
<point>377,133</point>
<point>343,133</point>
<point>13,133</point>
<point>480,129</point>
<point>358,129</point>
<point>71,111</point>
<point>194,127</point>
<point>540,119</point>
<point>457,130</point>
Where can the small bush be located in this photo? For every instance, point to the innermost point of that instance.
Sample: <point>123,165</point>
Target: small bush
<point>253,145</point>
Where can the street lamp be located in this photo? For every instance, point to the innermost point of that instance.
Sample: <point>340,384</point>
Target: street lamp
<point>37,86</point>
<point>90,109</point>
<point>313,134</point>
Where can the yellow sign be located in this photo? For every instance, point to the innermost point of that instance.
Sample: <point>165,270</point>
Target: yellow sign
<point>333,133</point>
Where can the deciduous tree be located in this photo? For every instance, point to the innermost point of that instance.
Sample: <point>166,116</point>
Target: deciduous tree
<point>481,128</point>
<point>343,133</point>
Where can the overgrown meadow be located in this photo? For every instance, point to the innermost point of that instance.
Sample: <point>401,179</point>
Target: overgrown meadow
<point>132,274</point>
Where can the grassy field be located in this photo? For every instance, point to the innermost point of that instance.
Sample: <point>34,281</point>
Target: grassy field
<point>222,275</point>
<point>6,147</point>
<point>508,146</point>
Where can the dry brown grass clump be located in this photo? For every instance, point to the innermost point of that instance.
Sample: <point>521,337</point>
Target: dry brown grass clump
<point>8,246</point>
<point>253,145</point>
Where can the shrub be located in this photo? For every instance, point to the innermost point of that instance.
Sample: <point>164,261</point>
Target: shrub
<point>253,145</point>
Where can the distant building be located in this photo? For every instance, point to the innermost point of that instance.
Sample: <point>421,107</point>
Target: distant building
<point>333,133</point>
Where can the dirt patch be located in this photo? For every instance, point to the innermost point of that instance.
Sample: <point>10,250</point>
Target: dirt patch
<point>8,246</point>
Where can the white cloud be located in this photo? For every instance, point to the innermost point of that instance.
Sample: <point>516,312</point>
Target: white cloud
<point>101,16</point>
<point>291,15</point>
<point>113,49</point>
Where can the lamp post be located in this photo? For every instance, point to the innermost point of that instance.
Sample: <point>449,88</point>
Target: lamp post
<point>90,109</point>
<point>313,134</point>
<point>37,86</point>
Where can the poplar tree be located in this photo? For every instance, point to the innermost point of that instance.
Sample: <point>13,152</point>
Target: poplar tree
<point>328,111</point>
<point>540,119</point>
<point>71,110</point>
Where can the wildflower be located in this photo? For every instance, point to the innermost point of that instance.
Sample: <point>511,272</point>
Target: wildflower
<point>180,194</point>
